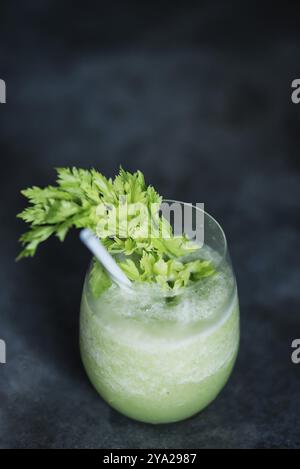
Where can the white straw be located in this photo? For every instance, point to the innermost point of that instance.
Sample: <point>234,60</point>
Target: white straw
<point>100,252</point>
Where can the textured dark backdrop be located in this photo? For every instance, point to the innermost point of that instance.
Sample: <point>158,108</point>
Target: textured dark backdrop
<point>196,95</point>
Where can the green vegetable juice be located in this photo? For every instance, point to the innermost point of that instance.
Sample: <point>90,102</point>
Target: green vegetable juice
<point>157,358</point>
<point>162,350</point>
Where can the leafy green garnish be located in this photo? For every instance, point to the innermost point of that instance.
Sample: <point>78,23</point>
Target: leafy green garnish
<point>99,280</point>
<point>169,273</point>
<point>120,211</point>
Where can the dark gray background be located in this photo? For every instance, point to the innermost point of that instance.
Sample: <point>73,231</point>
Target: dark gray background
<point>197,96</point>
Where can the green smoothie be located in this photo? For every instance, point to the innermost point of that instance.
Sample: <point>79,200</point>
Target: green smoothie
<point>159,323</point>
<point>159,359</point>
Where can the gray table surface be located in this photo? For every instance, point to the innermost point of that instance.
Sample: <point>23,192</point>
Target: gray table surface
<point>205,120</point>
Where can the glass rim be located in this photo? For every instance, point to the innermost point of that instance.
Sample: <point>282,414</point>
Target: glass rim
<point>211,218</point>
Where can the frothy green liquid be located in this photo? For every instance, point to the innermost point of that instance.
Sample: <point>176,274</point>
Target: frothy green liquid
<point>161,361</point>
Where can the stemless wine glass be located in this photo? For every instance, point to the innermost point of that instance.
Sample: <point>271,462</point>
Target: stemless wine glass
<point>157,358</point>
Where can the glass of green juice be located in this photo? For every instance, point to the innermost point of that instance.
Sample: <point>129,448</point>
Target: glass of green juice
<point>158,358</point>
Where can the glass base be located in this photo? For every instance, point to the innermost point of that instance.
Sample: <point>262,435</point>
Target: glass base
<point>179,403</point>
